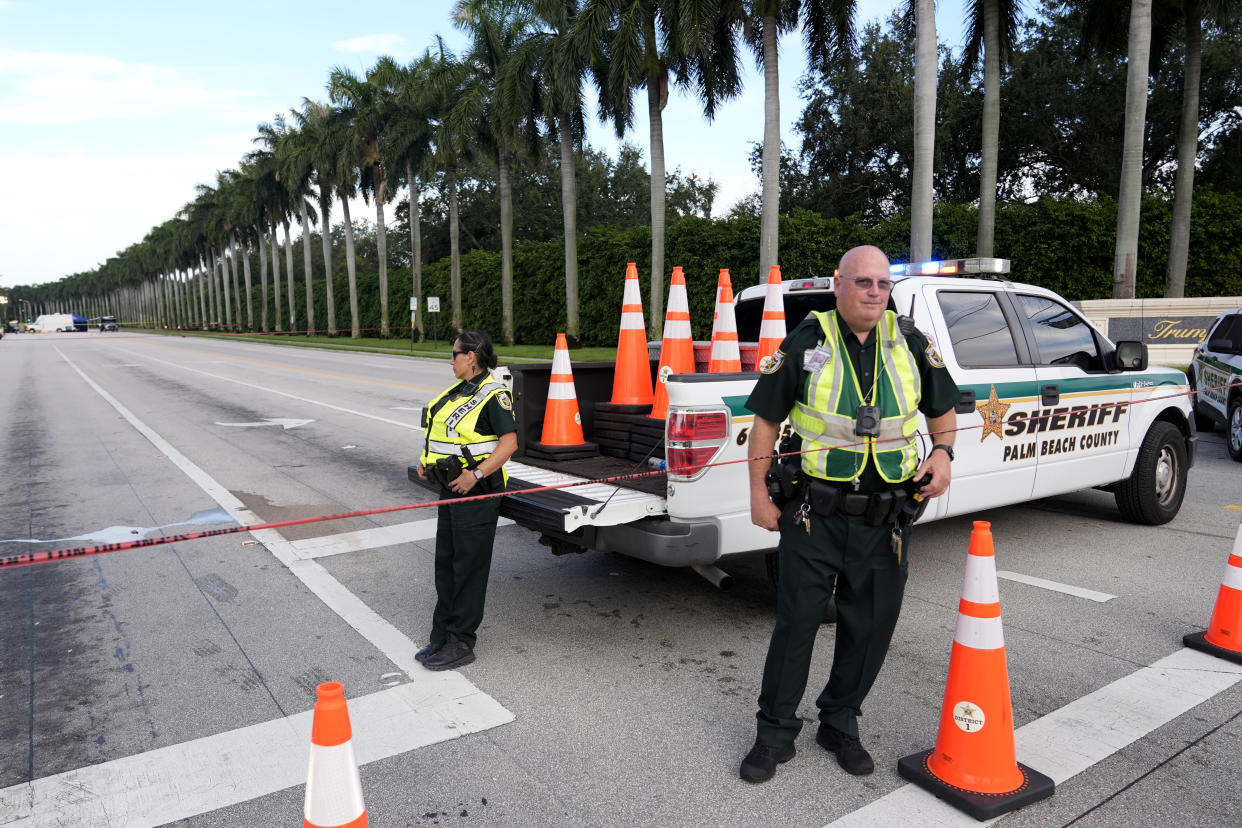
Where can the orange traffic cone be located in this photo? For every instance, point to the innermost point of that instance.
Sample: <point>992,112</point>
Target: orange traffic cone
<point>631,384</point>
<point>677,348</point>
<point>1223,637</point>
<point>722,282</point>
<point>725,353</point>
<point>772,328</point>
<point>333,789</point>
<point>974,765</point>
<point>562,421</point>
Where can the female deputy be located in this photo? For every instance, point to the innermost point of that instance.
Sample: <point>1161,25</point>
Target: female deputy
<point>469,434</point>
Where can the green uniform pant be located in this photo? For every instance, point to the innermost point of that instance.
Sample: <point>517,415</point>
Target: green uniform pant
<point>464,536</point>
<point>869,586</point>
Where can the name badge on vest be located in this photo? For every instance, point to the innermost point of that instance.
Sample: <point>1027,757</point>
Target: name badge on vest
<point>814,360</point>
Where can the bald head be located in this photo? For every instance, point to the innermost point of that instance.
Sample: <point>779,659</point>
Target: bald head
<point>865,256</point>
<point>861,307</point>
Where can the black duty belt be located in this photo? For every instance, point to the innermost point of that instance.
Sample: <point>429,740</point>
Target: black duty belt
<point>876,507</point>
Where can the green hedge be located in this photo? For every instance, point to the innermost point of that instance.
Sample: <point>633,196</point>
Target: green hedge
<point>1061,244</point>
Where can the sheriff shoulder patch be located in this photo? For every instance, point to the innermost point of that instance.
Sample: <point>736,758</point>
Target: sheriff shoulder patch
<point>933,356</point>
<point>771,364</point>
<point>506,402</point>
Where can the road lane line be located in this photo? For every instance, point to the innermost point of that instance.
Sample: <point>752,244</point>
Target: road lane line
<point>268,390</point>
<point>363,539</point>
<point>203,775</point>
<point>1080,592</point>
<point>378,632</point>
<point>1070,740</point>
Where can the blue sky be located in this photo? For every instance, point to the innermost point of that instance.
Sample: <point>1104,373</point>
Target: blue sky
<point>112,112</point>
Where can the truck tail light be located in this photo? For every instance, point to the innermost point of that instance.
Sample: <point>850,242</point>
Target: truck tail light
<point>693,439</point>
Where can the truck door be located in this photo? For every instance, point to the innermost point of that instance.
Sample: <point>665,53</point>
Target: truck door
<point>975,334</point>
<point>1082,431</point>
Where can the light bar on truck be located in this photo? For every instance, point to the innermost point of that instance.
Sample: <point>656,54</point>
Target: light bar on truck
<point>952,267</point>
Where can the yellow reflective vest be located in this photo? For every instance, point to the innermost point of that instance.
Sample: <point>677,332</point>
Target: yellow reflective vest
<point>825,422</point>
<point>454,426</point>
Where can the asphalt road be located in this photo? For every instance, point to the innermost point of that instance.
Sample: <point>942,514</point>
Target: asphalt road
<point>171,684</point>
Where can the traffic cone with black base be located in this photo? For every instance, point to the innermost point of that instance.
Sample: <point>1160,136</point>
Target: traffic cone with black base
<point>974,765</point>
<point>333,788</point>
<point>561,438</point>
<point>632,393</point>
<point>1223,637</point>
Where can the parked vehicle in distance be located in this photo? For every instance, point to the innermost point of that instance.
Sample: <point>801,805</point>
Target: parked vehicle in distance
<point>1216,380</point>
<point>108,323</point>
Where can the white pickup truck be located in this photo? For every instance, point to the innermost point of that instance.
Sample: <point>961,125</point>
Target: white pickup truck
<point>1048,405</point>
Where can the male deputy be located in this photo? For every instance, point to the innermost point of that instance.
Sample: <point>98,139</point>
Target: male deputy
<point>852,383</point>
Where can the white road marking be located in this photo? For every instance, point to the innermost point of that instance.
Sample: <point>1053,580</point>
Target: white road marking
<point>268,390</point>
<point>286,423</point>
<point>461,706</point>
<point>203,775</point>
<point>1080,592</point>
<point>1068,741</point>
<point>363,539</point>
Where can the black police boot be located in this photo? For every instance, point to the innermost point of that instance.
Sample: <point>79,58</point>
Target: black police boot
<point>425,652</point>
<point>850,753</point>
<point>452,654</point>
<point>760,764</point>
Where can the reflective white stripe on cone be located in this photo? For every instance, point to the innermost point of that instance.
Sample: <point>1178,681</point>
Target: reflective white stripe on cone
<point>725,353</point>
<point>1223,637</point>
<point>974,766</point>
<point>772,328</point>
<point>677,347</point>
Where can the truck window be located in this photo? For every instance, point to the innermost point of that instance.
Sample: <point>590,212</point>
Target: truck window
<point>977,328</point>
<point>1229,328</point>
<point>1062,337</point>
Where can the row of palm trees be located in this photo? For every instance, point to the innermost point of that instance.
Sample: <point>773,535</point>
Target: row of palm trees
<point>520,81</point>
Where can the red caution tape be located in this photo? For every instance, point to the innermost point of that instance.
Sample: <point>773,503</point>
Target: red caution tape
<point>28,558</point>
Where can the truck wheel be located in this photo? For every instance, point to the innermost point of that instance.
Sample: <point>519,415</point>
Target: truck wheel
<point>772,563</point>
<point>1153,492</point>
<point>1203,422</point>
<point>1233,437</point>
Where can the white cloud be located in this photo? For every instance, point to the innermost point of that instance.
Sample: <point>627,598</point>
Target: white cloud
<point>377,43</point>
<point>42,88</point>
<point>77,211</point>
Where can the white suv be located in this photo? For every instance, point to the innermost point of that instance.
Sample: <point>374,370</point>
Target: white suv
<point>1216,378</point>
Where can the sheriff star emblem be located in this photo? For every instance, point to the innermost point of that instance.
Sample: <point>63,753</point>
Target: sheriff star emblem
<point>993,413</point>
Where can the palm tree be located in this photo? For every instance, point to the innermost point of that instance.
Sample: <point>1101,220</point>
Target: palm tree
<point>1193,12</point>
<point>294,156</point>
<point>924,129</point>
<point>446,85</point>
<point>1129,200</point>
<point>560,67</point>
<point>828,33</point>
<point>407,142</point>
<point>322,138</point>
<point>642,44</point>
<point>366,105</point>
<point>993,28</point>
<point>491,103</point>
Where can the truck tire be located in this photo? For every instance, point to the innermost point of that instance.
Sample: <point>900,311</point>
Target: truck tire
<point>772,563</point>
<point>1233,432</point>
<point>1203,421</point>
<point>1153,492</point>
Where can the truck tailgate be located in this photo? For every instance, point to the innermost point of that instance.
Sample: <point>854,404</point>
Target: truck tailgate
<point>593,504</point>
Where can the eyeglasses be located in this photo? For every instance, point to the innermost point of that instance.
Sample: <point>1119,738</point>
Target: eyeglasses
<point>866,284</point>
<point>456,354</point>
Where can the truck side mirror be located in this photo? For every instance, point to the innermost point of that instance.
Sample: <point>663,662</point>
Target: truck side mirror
<point>1131,355</point>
